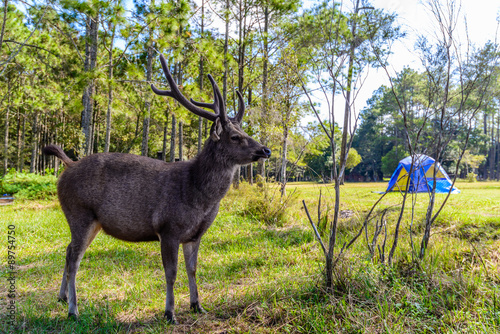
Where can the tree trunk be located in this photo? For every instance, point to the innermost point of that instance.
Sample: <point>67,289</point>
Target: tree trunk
<point>485,123</point>
<point>5,6</point>
<point>492,158</point>
<point>226,43</point>
<point>249,169</point>
<point>236,178</point>
<point>250,174</point>
<point>6,139</point>
<point>241,64</point>
<point>147,105</point>
<point>347,110</point>
<point>262,120</point>
<point>34,145</point>
<point>283,161</point>
<point>110,90</point>
<point>23,141</point>
<point>172,140</point>
<point>200,119</point>
<point>181,142</point>
<point>241,45</point>
<point>164,148</point>
<point>485,166</point>
<point>329,265</point>
<point>91,34</point>
<point>498,148</point>
<point>18,140</point>
<point>95,123</point>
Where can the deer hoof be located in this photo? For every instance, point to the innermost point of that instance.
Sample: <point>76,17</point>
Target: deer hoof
<point>170,317</point>
<point>72,316</point>
<point>196,308</point>
<point>63,300</point>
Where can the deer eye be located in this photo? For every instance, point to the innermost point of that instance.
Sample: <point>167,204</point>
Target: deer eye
<point>235,138</point>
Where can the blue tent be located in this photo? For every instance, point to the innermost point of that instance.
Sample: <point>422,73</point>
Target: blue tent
<point>420,177</point>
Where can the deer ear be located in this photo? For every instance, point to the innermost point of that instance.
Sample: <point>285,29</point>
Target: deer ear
<point>216,130</point>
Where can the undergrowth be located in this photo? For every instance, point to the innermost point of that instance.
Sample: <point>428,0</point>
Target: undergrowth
<point>265,204</point>
<point>25,185</point>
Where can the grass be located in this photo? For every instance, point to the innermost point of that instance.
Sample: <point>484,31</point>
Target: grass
<point>266,277</point>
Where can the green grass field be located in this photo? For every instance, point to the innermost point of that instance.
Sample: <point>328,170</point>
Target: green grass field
<point>266,277</point>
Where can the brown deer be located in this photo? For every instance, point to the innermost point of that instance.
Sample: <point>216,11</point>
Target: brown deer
<point>136,198</point>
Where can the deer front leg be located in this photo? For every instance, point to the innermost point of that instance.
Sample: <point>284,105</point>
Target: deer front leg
<point>190,251</point>
<point>169,253</point>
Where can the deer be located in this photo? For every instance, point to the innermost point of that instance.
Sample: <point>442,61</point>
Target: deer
<point>136,198</point>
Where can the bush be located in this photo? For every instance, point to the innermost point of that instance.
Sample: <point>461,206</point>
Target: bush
<point>471,177</point>
<point>266,205</point>
<point>28,186</point>
<point>260,181</point>
<point>391,160</point>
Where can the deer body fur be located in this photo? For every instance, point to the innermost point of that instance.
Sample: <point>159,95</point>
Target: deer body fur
<point>136,198</point>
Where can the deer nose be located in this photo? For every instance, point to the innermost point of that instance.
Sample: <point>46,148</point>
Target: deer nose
<point>267,152</point>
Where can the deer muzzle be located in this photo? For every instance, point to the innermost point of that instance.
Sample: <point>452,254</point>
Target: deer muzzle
<point>263,153</point>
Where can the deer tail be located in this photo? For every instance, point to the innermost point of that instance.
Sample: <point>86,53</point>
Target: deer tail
<point>58,152</point>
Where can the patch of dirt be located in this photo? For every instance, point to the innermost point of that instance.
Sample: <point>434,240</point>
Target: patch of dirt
<point>344,214</point>
<point>31,205</point>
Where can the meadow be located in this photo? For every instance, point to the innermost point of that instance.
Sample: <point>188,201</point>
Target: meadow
<point>260,270</point>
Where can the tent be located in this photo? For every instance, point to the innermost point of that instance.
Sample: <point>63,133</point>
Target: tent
<point>421,177</point>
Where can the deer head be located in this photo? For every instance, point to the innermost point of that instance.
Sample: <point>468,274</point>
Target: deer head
<point>232,142</point>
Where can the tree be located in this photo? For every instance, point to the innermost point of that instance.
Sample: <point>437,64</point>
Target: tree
<point>339,46</point>
<point>116,18</point>
<point>391,160</point>
<point>455,85</point>
<point>285,92</point>
<point>274,12</point>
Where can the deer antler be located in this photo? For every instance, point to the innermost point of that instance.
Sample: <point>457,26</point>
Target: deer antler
<point>217,106</point>
<point>241,110</point>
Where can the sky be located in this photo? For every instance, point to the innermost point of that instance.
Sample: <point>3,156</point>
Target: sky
<point>482,26</point>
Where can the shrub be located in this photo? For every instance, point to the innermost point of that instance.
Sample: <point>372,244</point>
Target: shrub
<point>266,205</point>
<point>28,186</point>
<point>260,181</point>
<point>471,177</point>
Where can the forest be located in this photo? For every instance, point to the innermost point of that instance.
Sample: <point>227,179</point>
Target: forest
<point>78,74</point>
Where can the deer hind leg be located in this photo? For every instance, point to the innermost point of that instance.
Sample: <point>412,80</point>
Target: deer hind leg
<point>83,231</point>
<point>190,251</point>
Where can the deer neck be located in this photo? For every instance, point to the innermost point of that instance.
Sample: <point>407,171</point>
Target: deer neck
<point>212,173</point>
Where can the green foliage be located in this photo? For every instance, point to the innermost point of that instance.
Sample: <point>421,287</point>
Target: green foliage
<point>471,177</point>
<point>473,160</point>
<point>391,160</point>
<point>265,204</point>
<point>29,186</point>
<point>320,162</point>
<point>353,159</point>
<point>260,181</point>
<point>320,165</point>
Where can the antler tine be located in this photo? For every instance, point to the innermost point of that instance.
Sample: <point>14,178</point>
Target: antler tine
<point>177,95</point>
<point>215,105</point>
<point>223,112</point>
<point>218,103</point>
<point>241,109</point>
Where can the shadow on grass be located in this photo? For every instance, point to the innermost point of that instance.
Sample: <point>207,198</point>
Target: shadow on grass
<point>291,237</point>
<point>262,308</point>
